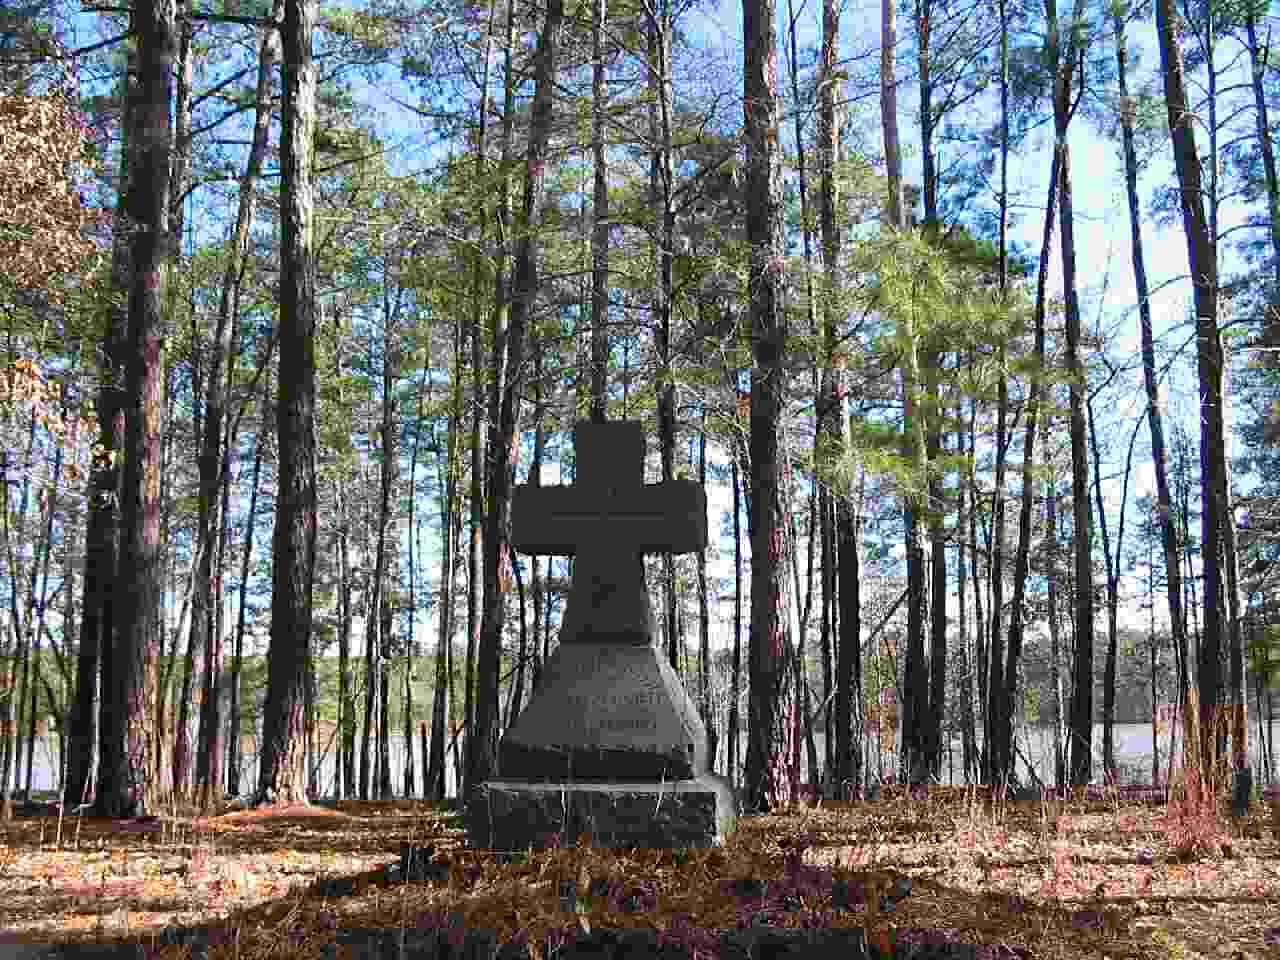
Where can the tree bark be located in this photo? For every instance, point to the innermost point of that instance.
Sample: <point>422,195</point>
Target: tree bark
<point>124,789</point>
<point>1002,738</point>
<point>1203,263</point>
<point>237,655</point>
<point>207,595</point>
<point>767,648</point>
<point>894,207</point>
<point>433,787</point>
<point>1155,417</point>
<point>600,219</point>
<point>282,777</point>
<point>1258,65</point>
<point>102,545</point>
<point>507,383</point>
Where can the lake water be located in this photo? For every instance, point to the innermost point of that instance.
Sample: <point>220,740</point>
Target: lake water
<point>1133,755</point>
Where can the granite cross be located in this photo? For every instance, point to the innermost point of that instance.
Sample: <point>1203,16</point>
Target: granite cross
<point>608,519</point>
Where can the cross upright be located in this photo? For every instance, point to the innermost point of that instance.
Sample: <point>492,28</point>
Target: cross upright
<point>608,519</point>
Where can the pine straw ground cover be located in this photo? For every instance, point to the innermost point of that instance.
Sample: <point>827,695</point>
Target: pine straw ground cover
<point>1090,877</point>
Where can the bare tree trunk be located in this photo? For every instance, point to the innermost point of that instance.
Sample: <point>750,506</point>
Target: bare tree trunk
<point>735,677</point>
<point>434,764</point>
<point>767,650</point>
<point>283,777</point>
<point>1113,562</point>
<point>102,526</point>
<point>894,208</point>
<point>179,177</point>
<point>1155,418</point>
<point>346,761</point>
<point>476,599</point>
<point>600,220</point>
<point>206,599</point>
<point>1055,645</point>
<point>1203,263</point>
<point>237,655</point>
<point>1002,736</point>
<point>1258,63</point>
<point>1063,60</point>
<point>123,781</point>
<point>1242,787</point>
<point>660,199</point>
<point>507,383</point>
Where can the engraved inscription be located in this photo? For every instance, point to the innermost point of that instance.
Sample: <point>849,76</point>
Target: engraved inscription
<point>604,705</point>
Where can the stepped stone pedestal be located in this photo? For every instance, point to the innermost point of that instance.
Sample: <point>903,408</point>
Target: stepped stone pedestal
<point>610,747</point>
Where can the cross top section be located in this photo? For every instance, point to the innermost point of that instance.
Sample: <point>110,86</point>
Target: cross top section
<point>608,518</point>
<point>609,505</point>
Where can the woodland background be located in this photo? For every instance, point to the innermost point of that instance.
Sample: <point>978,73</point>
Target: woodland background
<point>293,294</point>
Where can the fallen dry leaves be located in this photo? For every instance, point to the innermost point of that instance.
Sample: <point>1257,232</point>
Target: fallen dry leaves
<point>1047,880</point>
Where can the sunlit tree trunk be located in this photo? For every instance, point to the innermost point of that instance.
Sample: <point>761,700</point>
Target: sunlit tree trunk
<point>1155,416</point>
<point>189,695</point>
<point>102,545</point>
<point>124,789</point>
<point>282,775</point>
<point>767,648</point>
<point>1063,58</point>
<point>237,653</point>
<point>1202,261</point>
<point>206,598</point>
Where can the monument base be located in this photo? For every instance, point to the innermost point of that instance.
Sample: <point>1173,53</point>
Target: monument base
<point>518,814</point>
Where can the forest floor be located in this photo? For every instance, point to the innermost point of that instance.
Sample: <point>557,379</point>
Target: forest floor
<point>1110,876</point>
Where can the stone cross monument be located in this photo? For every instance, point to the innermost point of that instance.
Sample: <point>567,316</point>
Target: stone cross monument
<point>610,745</point>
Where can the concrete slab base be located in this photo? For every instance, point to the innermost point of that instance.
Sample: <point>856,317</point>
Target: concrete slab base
<point>516,815</point>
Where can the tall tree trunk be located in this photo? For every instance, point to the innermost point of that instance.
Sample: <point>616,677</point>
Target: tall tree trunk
<point>916,681</point>
<point>377,652</point>
<point>102,545</point>
<point>179,182</point>
<point>507,383</point>
<point>1063,59</point>
<point>831,430</point>
<point>206,598</point>
<point>660,199</point>
<point>1002,738</point>
<point>704,614</point>
<point>1258,64</point>
<point>237,654</point>
<point>1112,561</point>
<point>123,787</point>
<point>476,599</point>
<point>1242,787</point>
<point>735,674</point>
<point>411,648</point>
<point>433,787</point>
<point>1203,263</point>
<point>1055,631</point>
<point>282,777</point>
<point>767,649</point>
<point>600,220</point>
<point>1155,417</point>
<point>894,207</point>
<point>346,696</point>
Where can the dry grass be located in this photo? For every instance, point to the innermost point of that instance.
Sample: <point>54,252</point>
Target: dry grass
<point>1062,877</point>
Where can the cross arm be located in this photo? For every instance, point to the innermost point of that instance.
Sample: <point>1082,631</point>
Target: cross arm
<point>653,518</point>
